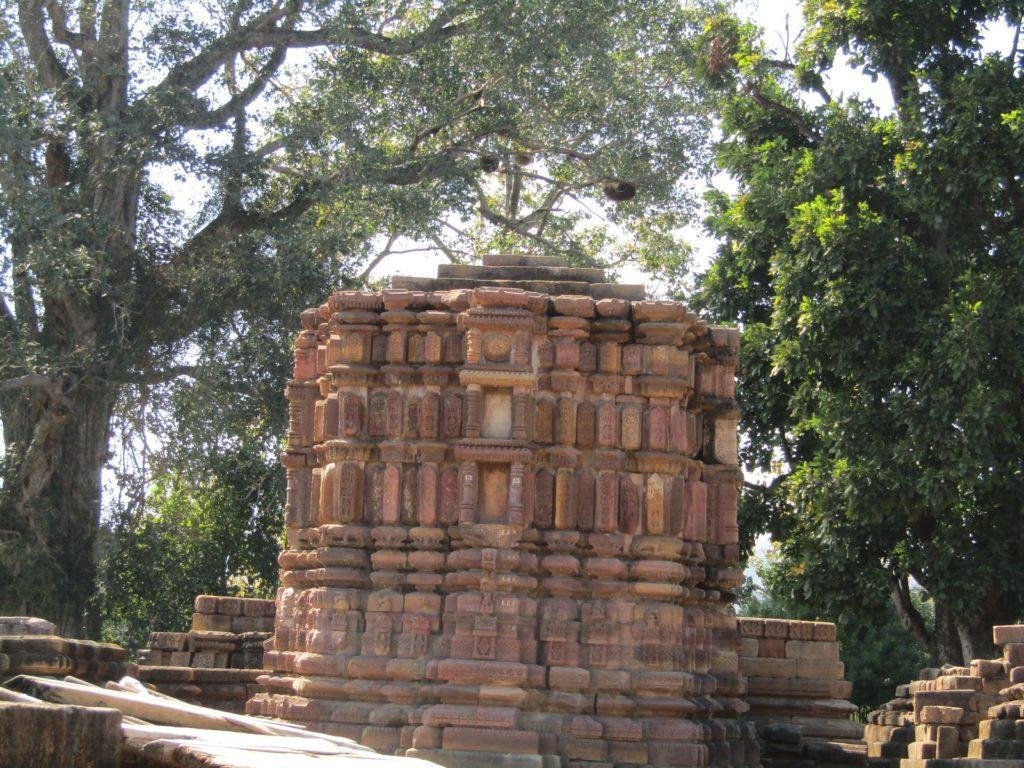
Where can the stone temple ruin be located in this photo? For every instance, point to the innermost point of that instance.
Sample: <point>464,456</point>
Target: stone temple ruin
<point>511,520</point>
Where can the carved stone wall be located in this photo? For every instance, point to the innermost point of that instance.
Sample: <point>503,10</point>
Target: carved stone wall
<point>512,524</point>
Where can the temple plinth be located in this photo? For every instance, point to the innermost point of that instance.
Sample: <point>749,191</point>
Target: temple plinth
<point>511,522</point>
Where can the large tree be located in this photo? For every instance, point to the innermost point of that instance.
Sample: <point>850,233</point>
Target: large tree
<point>291,134</point>
<point>875,258</point>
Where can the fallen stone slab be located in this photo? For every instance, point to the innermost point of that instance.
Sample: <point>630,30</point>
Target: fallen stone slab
<point>41,735</point>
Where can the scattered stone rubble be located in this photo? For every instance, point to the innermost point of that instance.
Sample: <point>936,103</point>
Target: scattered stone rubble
<point>511,524</point>
<point>794,676</point>
<point>217,663</point>
<point>956,717</point>
<point>48,723</point>
<point>30,646</point>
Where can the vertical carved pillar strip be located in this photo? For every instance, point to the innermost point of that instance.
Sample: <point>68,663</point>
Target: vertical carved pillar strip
<point>392,502</point>
<point>520,403</point>
<point>467,493</point>
<point>474,410</point>
<point>516,507</point>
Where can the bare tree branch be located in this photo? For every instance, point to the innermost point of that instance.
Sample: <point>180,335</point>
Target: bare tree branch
<point>214,117</point>
<point>377,260</point>
<point>61,32</point>
<point>28,380</point>
<point>32,22</point>
<point>263,32</point>
<point>790,114</point>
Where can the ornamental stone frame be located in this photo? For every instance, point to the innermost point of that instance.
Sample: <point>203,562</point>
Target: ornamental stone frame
<point>511,524</point>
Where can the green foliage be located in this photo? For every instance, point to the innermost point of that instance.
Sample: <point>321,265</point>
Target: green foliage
<point>875,261</point>
<point>190,538</point>
<point>878,652</point>
<point>300,137</point>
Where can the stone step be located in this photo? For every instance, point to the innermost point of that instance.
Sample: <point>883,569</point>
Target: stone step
<point>549,287</point>
<point>521,260</point>
<point>475,272</point>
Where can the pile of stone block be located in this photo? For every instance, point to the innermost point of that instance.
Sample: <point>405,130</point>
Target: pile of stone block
<point>30,646</point>
<point>227,633</point>
<point>794,677</point>
<point>217,663</point>
<point>784,746</point>
<point>225,689</point>
<point>511,522</point>
<point>956,717</point>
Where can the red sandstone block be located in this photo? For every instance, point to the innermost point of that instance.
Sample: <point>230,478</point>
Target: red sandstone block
<point>368,667</point>
<point>776,628</point>
<point>751,627</point>
<point>772,648</point>
<point>825,631</point>
<point>614,706</point>
<point>568,678</point>
<point>205,604</point>
<point>258,608</point>
<point>229,606</point>
<point>939,715</point>
<point>921,750</point>
<point>628,752</point>
<point>673,753</point>
<point>207,622</point>
<point>383,739</point>
<point>812,650</point>
<point>1014,653</point>
<point>770,667</point>
<point>620,728</point>
<point>989,669</point>
<point>573,748</point>
<point>425,737</point>
<point>491,740</point>
<point>821,670</point>
<point>1008,633</point>
<point>801,630</point>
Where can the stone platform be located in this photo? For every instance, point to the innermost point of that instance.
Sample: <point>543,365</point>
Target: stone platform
<point>511,524</point>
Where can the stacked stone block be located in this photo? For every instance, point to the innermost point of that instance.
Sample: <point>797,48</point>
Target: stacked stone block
<point>28,646</point>
<point>218,662</point>
<point>957,717</point>
<point>794,676</point>
<point>783,746</point>
<point>227,633</point>
<point>511,524</point>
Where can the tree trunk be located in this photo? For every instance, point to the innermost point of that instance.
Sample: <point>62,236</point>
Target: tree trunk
<point>51,504</point>
<point>948,648</point>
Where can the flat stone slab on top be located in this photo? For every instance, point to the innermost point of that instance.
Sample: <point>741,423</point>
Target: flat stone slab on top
<point>549,287</point>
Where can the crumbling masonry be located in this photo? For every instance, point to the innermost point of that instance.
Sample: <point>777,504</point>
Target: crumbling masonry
<point>511,524</point>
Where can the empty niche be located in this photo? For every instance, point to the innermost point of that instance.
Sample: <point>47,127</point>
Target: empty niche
<point>497,421</point>
<point>494,485</point>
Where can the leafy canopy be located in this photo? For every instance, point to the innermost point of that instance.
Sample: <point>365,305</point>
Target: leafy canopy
<point>875,261</point>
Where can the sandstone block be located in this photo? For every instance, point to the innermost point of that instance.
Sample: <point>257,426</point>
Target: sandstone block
<point>940,715</point>
<point>812,650</point>
<point>52,736</point>
<point>1001,634</point>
